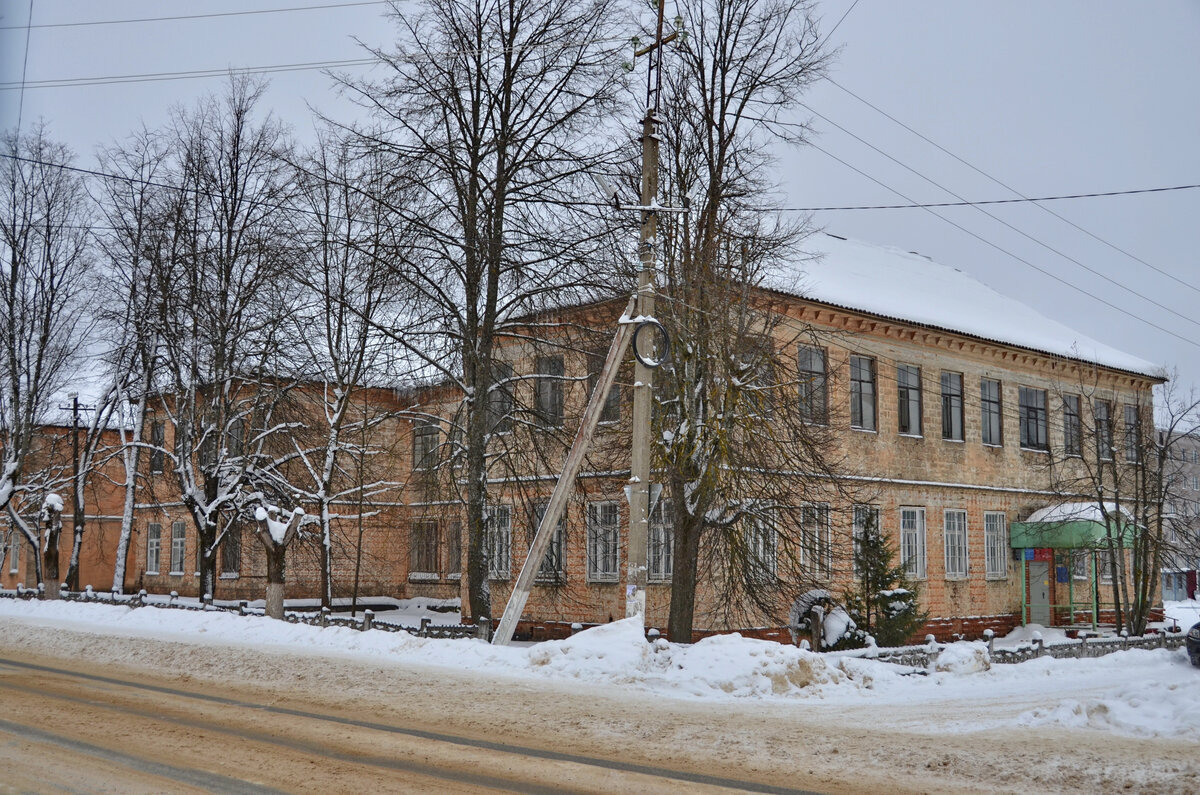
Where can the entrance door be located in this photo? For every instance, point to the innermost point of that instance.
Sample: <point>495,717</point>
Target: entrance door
<point>1039,592</point>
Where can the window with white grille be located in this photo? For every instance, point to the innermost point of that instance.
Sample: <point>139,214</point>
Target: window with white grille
<point>497,539</point>
<point>955,537</point>
<point>153,547</point>
<point>661,542</point>
<point>816,551</point>
<point>912,542</point>
<point>995,542</point>
<point>602,535</point>
<point>178,546</point>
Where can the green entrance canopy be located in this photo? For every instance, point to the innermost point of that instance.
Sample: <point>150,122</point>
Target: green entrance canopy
<point>1077,534</point>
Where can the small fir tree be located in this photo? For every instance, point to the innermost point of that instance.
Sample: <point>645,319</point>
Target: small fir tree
<point>882,601</point>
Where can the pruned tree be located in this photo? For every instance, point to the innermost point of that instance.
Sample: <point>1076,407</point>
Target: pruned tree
<point>276,536</point>
<point>742,451</point>
<point>44,311</point>
<point>493,113</point>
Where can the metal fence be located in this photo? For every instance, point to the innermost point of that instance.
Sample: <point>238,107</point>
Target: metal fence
<point>318,618</point>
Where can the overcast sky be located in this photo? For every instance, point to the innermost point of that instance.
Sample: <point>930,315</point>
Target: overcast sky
<point>1048,98</point>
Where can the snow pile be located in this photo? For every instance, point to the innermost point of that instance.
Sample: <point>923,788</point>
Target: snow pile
<point>1140,707</point>
<point>962,658</point>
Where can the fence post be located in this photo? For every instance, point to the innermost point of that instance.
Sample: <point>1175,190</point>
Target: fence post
<point>816,625</point>
<point>368,617</point>
<point>576,628</point>
<point>424,631</point>
<point>652,634</point>
<point>1038,645</point>
<point>483,628</point>
<point>990,637</point>
<point>325,611</point>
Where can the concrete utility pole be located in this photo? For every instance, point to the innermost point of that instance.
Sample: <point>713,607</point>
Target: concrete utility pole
<point>643,381</point>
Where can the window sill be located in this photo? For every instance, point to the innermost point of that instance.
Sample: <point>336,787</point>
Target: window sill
<point>423,576</point>
<point>993,445</point>
<point>954,441</point>
<point>996,578</point>
<point>1035,450</point>
<point>229,575</point>
<point>498,577</point>
<point>175,573</point>
<point>864,430</point>
<point>454,577</point>
<point>665,581</point>
<point>147,573</point>
<point>911,435</point>
<point>957,578</point>
<point>603,580</point>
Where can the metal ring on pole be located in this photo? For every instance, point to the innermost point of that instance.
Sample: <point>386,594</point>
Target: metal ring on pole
<point>659,338</point>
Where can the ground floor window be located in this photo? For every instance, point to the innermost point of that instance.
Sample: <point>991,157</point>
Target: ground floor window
<point>153,547</point>
<point>816,539</point>
<point>995,542</point>
<point>178,546</point>
<point>497,541</point>
<point>761,545</point>
<point>864,516</point>
<point>955,538</point>
<point>602,535</point>
<point>231,551</point>
<point>554,564</point>
<point>912,542</point>
<point>424,547</point>
<point>661,542</point>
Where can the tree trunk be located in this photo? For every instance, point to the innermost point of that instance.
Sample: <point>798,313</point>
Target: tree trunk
<point>275,578</point>
<point>686,549</point>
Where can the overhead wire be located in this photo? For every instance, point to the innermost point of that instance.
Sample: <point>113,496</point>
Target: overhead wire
<point>1008,225</point>
<point>1006,186</point>
<point>212,15</point>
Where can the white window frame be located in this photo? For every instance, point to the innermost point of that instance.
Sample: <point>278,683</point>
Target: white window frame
<point>912,541</point>
<point>178,547</point>
<point>660,542</point>
<point>14,551</point>
<point>153,547</point>
<point>816,534</point>
<point>954,540</point>
<point>995,542</point>
<point>547,571</point>
<point>603,541</point>
<point>762,544</point>
<point>497,536</point>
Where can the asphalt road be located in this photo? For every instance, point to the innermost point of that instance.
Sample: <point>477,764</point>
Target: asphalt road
<point>90,729</point>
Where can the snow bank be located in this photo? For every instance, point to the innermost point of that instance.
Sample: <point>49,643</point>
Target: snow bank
<point>1144,693</point>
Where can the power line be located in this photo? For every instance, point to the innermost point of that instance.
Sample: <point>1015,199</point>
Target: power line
<point>1004,185</point>
<point>192,16</point>
<point>1005,251</point>
<point>149,77</point>
<point>24,68</point>
<point>1021,232</point>
<point>1022,200</point>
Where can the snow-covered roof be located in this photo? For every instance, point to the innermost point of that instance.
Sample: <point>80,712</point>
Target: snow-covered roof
<point>1073,512</point>
<point>904,286</point>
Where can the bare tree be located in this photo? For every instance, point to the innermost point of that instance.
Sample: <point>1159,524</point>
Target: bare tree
<point>493,112</point>
<point>740,450</point>
<point>1113,458</point>
<point>43,306</point>
<point>224,290</point>
<point>349,237</point>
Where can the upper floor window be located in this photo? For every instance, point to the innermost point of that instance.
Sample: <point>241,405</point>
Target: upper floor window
<point>989,403</point>
<point>1102,412</point>
<point>1072,426</point>
<point>812,384</point>
<point>1133,433</point>
<point>952,406</point>
<point>425,442</point>
<point>548,391</point>
<point>500,398</point>
<point>1032,408</point>
<point>908,389</point>
<point>862,393</point>
<point>611,411</point>
<point>158,439</point>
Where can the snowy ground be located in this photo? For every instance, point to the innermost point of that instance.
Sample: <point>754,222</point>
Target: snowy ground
<point>1135,693</point>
